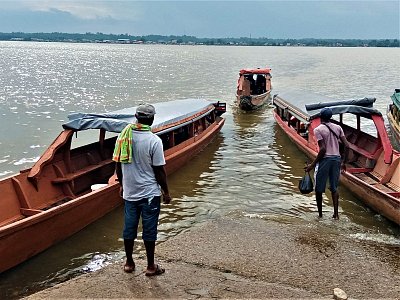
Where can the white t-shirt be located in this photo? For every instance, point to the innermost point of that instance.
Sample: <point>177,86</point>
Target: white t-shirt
<point>138,179</point>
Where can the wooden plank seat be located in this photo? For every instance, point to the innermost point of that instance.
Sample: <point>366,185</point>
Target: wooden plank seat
<point>377,175</point>
<point>362,151</point>
<point>367,179</point>
<point>57,203</point>
<point>372,180</point>
<point>30,212</point>
<point>81,172</point>
<point>393,186</point>
<point>384,188</point>
<point>356,170</point>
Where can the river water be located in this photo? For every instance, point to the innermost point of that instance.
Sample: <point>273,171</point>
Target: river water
<point>251,169</point>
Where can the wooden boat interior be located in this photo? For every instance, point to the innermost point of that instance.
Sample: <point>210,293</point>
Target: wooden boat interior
<point>369,159</point>
<point>393,116</point>
<point>254,82</point>
<point>63,174</point>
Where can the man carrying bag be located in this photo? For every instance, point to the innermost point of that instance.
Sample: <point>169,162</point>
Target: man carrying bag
<point>328,162</point>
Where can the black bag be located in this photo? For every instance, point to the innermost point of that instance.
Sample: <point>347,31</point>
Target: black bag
<point>306,185</point>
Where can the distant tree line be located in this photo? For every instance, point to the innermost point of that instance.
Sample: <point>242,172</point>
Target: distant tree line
<point>184,39</point>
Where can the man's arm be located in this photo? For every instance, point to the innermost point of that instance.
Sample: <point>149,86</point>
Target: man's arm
<point>118,171</point>
<point>161,177</point>
<point>320,155</point>
<point>344,155</point>
<point>346,146</point>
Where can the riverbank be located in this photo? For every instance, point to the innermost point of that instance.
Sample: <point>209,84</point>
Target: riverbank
<point>240,257</point>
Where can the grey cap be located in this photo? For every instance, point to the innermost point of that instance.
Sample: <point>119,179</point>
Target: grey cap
<point>145,110</point>
<point>326,113</point>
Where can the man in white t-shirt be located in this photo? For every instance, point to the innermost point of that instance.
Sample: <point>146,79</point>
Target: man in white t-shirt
<point>328,162</point>
<point>143,179</point>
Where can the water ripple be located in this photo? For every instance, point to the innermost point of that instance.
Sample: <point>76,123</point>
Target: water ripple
<point>251,169</point>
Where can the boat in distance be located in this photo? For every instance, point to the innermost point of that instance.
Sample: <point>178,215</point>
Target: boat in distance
<point>69,188</point>
<point>393,115</point>
<point>372,169</point>
<point>253,88</point>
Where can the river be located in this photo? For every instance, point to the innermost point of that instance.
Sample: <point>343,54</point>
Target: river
<point>251,169</point>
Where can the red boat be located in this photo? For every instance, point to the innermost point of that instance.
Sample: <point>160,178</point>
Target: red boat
<point>373,168</point>
<point>253,88</point>
<point>67,189</point>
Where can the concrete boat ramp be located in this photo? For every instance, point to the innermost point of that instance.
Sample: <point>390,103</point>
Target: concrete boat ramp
<point>237,257</point>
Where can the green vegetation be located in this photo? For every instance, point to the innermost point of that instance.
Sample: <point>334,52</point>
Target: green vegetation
<point>184,39</point>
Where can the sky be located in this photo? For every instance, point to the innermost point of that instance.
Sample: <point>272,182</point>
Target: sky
<point>366,19</point>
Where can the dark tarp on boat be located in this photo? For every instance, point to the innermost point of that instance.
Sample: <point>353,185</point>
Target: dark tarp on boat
<point>167,113</point>
<point>307,106</point>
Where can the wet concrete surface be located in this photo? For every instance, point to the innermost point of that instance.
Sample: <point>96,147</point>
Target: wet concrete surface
<point>239,257</point>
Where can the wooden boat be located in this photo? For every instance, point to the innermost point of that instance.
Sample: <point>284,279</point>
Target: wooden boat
<point>393,115</point>
<point>59,195</point>
<point>373,169</point>
<point>253,88</point>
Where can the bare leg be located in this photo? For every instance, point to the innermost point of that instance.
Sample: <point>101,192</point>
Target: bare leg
<point>335,199</point>
<point>150,248</point>
<point>318,197</point>
<point>152,268</point>
<point>129,264</point>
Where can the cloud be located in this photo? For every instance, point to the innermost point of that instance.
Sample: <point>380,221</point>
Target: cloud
<point>275,19</point>
<point>86,10</point>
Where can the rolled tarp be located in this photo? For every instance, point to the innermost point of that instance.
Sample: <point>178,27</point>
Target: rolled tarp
<point>365,102</point>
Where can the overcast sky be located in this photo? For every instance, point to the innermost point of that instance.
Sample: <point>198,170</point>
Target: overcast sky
<point>274,19</point>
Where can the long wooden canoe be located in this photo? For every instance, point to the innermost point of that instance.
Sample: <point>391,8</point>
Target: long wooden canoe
<point>373,169</point>
<point>56,197</point>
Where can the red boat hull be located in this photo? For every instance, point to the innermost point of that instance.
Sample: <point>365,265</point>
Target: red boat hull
<point>385,204</point>
<point>22,239</point>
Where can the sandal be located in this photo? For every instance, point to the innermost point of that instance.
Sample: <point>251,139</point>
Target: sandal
<point>129,268</point>
<point>157,271</point>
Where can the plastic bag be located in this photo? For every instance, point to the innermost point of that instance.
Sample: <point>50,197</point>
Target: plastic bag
<point>306,185</point>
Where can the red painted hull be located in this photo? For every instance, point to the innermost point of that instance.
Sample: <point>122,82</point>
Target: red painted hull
<point>31,235</point>
<point>383,203</point>
<point>253,102</point>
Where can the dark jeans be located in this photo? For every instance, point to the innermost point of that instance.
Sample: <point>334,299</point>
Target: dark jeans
<point>328,167</point>
<point>149,210</point>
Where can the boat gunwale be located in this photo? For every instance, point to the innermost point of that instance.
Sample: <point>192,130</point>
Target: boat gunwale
<point>183,122</point>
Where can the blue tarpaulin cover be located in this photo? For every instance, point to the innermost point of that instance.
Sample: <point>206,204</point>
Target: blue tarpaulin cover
<point>166,113</point>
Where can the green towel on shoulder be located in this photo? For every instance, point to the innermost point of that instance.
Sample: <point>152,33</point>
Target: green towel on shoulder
<point>123,145</point>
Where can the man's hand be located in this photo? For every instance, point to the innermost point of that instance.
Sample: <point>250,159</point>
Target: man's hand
<point>343,167</point>
<point>166,198</point>
<point>308,168</point>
